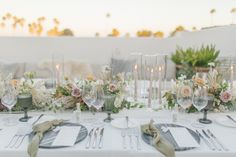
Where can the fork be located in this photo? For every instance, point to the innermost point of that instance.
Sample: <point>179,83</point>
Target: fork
<point>136,134</point>
<point>19,137</point>
<point>130,133</point>
<point>123,134</point>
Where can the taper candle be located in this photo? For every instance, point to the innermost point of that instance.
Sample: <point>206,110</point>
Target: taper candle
<point>58,74</point>
<point>150,89</point>
<point>135,82</point>
<point>160,83</point>
<point>232,76</point>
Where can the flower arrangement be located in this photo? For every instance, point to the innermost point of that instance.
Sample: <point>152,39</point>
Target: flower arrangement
<point>41,97</point>
<point>219,93</point>
<point>68,95</point>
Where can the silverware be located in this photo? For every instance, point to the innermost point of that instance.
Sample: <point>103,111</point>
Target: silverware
<point>130,138</point>
<point>231,118</point>
<point>123,134</point>
<point>95,138</point>
<point>19,137</point>
<point>216,139</point>
<point>89,140</point>
<point>40,116</point>
<point>100,144</point>
<point>136,134</point>
<point>211,140</point>
<point>205,141</point>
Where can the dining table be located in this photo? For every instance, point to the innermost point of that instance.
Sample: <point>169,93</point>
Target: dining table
<point>112,136</point>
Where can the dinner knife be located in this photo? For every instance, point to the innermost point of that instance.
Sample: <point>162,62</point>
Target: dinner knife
<point>205,141</point>
<point>231,118</point>
<point>90,137</point>
<point>211,140</point>
<point>216,139</point>
<point>101,138</point>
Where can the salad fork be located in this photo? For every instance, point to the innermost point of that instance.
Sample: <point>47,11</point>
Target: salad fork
<point>19,137</point>
<point>123,134</point>
<point>136,134</point>
<point>90,138</point>
<point>130,133</point>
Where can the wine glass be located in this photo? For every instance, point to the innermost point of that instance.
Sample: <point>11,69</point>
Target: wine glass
<point>93,96</point>
<point>109,106</point>
<point>200,100</point>
<point>9,99</point>
<point>99,99</point>
<point>184,94</point>
<point>88,94</point>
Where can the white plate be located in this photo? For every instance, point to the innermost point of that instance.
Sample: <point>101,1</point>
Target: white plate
<point>121,123</point>
<point>225,121</point>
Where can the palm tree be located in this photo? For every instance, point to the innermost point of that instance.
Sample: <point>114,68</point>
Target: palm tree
<point>212,12</point>
<point>233,11</point>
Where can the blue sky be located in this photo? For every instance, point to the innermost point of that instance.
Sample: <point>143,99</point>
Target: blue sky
<point>85,17</point>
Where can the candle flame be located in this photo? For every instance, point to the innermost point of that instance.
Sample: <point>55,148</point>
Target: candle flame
<point>57,66</point>
<point>136,67</point>
<point>152,70</point>
<point>159,68</point>
<point>232,67</point>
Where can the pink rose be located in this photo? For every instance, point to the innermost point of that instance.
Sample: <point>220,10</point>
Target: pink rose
<point>186,91</point>
<point>76,92</point>
<point>225,96</point>
<point>112,87</point>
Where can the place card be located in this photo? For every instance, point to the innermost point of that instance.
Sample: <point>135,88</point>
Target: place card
<point>182,137</point>
<point>66,136</point>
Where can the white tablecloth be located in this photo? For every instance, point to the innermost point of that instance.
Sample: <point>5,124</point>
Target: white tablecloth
<point>112,146</point>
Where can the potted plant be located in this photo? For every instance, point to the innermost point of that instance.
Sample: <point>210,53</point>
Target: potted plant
<point>189,61</point>
<point>183,59</point>
<point>205,55</point>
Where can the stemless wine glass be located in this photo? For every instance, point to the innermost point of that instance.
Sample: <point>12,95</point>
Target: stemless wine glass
<point>200,100</point>
<point>9,99</point>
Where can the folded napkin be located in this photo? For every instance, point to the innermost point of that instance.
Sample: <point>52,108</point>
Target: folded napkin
<point>39,130</point>
<point>159,142</point>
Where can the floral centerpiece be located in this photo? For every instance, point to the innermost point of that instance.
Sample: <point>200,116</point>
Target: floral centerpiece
<point>219,93</point>
<point>70,93</point>
<point>28,87</point>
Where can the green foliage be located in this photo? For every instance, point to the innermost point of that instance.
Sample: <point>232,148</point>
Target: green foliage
<point>187,59</point>
<point>205,55</point>
<point>195,57</point>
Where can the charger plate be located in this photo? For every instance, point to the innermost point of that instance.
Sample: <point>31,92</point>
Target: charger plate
<point>167,135</point>
<point>49,136</point>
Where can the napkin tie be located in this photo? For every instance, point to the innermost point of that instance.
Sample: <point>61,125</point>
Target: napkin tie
<point>39,130</point>
<point>159,142</point>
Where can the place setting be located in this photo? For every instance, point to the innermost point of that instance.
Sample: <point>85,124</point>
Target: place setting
<point>117,78</point>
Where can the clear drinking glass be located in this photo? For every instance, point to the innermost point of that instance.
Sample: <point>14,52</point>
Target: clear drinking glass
<point>184,98</point>
<point>184,94</point>
<point>9,99</point>
<point>200,101</point>
<point>93,96</point>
